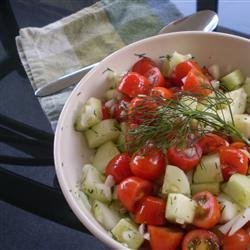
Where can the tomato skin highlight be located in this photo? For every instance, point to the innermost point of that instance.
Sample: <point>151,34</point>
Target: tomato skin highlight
<point>182,157</point>
<point>155,77</point>
<point>148,163</point>
<point>105,113</point>
<point>132,190</point>
<point>163,238</point>
<point>232,161</point>
<point>240,240</point>
<point>198,236</point>
<point>119,167</point>
<point>161,92</point>
<point>208,211</point>
<point>151,211</point>
<point>143,65</point>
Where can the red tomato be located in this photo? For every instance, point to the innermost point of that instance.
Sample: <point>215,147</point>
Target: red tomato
<point>232,161</point>
<point>134,84</point>
<point>163,238</point>
<point>161,92</point>
<point>143,65</point>
<point>155,77</point>
<point>238,241</point>
<point>105,113</point>
<point>148,163</point>
<point>132,190</point>
<point>187,158</point>
<point>238,145</point>
<point>208,210</point>
<point>120,109</point>
<point>210,143</point>
<point>119,167</point>
<point>196,83</point>
<point>151,211</point>
<point>200,239</point>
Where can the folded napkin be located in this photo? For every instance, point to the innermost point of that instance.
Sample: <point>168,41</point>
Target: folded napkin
<point>86,37</point>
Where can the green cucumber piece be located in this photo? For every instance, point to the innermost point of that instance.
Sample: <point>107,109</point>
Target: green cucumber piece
<point>110,94</point>
<point>238,188</point>
<point>212,187</point>
<point>113,79</point>
<point>121,142</point>
<point>180,209</point>
<point>242,124</point>
<point>175,181</point>
<point>102,132</point>
<point>104,154</point>
<point>127,233</point>
<point>233,80</point>
<point>246,86</point>
<point>89,115</point>
<point>208,170</point>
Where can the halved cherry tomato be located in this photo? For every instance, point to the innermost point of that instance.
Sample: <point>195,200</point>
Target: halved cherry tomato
<point>155,77</point>
<point>210,143</point>
<point>143,65</point>
<point>197,83</point>
<point>132,190</point>
<point>161,92</point>
<point>232,161</point>
<point>148,163</point>
<point>119,167</point>
<point>151,211</point>
<point>200,239</point>
<point>105,113</point>
<point>185,158</point>
<point>208,210</point>
<point>163,238</point>
<point>120,109</point>
<point>238,241</point>
<point>134,84</point>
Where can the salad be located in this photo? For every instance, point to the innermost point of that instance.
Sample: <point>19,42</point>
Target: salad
<point>171,163</point>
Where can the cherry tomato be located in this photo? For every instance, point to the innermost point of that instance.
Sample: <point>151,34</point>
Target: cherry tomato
<point>148,163</point>
<point>210,143</point>
<point>238,145</point>
<point>196,83</point>
<point>163,238</point>
<point>143,65</point>
<point>105,113</point>
<point>134,84</point>
<point>132,190</point>
<point>155,77</point>
<point>238,241</point>
<point>232,161</point>
<point>208,210</point>
<point>200,239</point>
<point>151,211</point>
<point>120,109</point>
<point>161,92</point>
<point>119,167</point>
<point>187,158</point>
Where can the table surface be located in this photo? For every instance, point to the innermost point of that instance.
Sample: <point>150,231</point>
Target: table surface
<point>20,229</point>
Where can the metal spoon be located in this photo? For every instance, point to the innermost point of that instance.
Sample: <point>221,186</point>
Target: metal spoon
<point>205,20</point>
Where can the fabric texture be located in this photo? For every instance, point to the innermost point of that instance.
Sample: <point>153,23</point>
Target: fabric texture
<point>84,38</point>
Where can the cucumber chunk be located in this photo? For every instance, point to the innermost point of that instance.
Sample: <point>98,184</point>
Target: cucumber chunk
<point>238,188</point>
<point>175,181</point>
<point>106,216</point>
<point>180,209</point>
<point>102,132</point>
<point>89,115</point>
<point>127,232</point>
<point>242,123</point>
<point>93,186</point>
<point>104,154</point>
<point>113,79</point>
<point>208,170</point>
<point>246,86</point>
<point>212,187</point>
<point>110,94</point>
<point>121,142</point>
<point>233,80</point>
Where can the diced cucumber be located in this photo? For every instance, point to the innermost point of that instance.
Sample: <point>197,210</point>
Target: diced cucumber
<point>110,94</point>
<point>127,232</point>
<point>189,101</point>
<point>180,209</point>
<point>177,58</point>
<point>93,186</point>
<point>238,188</point>
<point>104,154</point>
<point>229,209</point>
<point>212,187</point>
<point>107,217</point>
<point>113,79</point>
<point>165,68</point>
<point>246,86</point>
<point>121,142</point>
<point>233,80</point>
<point>214,70</point>
<point>175,181</point>
<point>117,205</point>
<point>89,115</point>
<point>102,132</point>
<point>208,170</point>
<point>242,124</point>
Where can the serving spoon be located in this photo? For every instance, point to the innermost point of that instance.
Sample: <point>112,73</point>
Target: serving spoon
<point>205,20</point>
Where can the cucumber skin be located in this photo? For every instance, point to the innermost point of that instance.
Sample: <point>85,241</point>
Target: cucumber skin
<point>233,80</point>
<point>213,188</point>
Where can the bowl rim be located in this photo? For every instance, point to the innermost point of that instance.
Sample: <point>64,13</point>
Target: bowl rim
<point>57,158</point>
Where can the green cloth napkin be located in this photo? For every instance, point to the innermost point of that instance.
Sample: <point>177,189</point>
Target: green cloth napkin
<point>84,38</point>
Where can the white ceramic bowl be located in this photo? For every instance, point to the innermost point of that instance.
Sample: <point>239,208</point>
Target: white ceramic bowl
<point>71,151</point>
